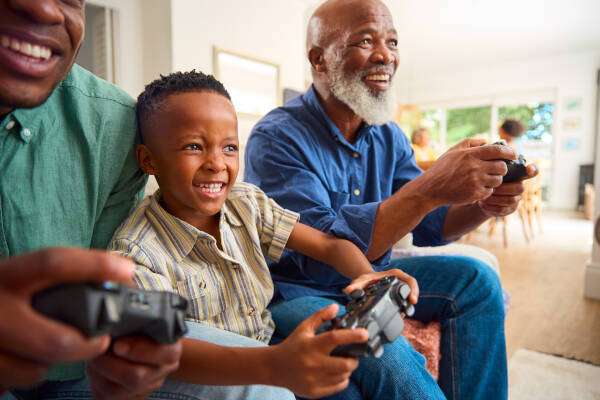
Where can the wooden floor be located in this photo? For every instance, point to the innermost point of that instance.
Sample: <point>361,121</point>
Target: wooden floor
<point>544,278</point>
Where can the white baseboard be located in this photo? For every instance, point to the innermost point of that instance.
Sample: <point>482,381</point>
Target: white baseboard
<point>592,280</point>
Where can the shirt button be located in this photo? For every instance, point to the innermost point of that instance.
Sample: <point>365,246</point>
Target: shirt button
<point>356,192</point>
<point>355,155</point>
<point>235,266</point>
<point>10,125</point>
<point>251,311</point>
<point>26,132</point>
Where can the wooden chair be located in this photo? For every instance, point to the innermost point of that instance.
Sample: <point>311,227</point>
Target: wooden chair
<point>493,221</point>
<point>532,197</point>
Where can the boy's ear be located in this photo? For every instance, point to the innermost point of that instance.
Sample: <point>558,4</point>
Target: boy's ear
<point>144,159</point>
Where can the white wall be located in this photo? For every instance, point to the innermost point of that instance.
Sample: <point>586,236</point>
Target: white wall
<point>157,39</point>
<point>592,272</point>
<point>271,31</point>
<point>566,75</point>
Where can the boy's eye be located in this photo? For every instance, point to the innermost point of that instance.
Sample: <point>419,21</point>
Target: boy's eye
<point>365,42</point>
<point>230,148</point>
<point>394,43</point>
<point>192,146</point>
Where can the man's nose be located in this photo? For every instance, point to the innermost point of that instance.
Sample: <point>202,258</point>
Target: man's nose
<point>41,11</point>
<point>382,54</point>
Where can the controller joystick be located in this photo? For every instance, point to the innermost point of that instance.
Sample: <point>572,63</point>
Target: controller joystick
<point>378,309</point>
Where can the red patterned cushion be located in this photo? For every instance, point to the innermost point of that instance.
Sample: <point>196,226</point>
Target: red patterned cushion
<point>425,338</point>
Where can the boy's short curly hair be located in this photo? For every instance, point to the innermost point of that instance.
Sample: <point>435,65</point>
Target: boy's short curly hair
<point>150,100</point>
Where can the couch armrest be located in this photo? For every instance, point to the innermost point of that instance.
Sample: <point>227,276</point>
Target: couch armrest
<point>405,248</point>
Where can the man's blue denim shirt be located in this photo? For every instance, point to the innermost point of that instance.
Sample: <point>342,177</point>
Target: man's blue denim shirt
<point>300,159</point>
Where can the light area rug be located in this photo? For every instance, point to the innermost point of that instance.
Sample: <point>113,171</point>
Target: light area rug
<point>533,375</point>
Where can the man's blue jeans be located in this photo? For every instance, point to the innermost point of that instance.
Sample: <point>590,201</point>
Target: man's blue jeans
<point>80,389</point>
<point>462,293</point>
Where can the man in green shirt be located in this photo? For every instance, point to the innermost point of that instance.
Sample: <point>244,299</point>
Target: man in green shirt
<point>68,177</point>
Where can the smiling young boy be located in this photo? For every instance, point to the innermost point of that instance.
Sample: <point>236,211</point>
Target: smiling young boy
<point>206,237</point>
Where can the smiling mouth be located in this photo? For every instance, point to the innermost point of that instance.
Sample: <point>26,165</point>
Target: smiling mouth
<point>379,78</point>
<point>210,187</point>
<point>25,48</point>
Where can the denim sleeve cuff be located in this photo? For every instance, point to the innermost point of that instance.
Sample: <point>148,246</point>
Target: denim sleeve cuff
<point>429,230</point>
<point>355,223</point>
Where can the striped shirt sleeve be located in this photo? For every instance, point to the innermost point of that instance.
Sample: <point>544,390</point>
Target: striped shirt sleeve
<point>277,225</point>
<point>146,275</point>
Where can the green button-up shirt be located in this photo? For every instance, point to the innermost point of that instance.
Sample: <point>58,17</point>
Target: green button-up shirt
<point>68,173</point>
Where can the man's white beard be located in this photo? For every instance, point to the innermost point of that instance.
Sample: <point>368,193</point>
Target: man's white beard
<point>352,91</point>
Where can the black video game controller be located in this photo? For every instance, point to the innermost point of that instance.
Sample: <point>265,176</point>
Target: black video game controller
<point>116,309</point>
<point>517,169</point>
<point>377,309</point>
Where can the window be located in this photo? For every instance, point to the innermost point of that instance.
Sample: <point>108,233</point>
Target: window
<point>463,123</point>
<point>536,142</point>
<point>432,121</point>
<point>536,118</point>
<point>98,51</point>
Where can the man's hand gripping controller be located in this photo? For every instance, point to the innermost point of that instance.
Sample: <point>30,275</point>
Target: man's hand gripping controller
<point>116,309</point>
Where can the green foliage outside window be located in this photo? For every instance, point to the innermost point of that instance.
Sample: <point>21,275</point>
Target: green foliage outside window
<point>466,123</point>
<point>536,118</point>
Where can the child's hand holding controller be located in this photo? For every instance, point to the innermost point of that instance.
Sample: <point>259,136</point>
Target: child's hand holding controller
<point>303,362</point>
<point>365,280</point>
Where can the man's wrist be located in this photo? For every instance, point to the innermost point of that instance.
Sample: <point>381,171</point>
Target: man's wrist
<point>414,199</point>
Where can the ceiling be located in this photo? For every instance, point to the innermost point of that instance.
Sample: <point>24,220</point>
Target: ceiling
<point>484,32</point>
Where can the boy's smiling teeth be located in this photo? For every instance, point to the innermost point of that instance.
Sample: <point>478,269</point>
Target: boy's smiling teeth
<point>26,48</point>
<point>209,187</point>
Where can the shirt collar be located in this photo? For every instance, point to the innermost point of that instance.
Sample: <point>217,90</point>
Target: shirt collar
<point>181,235</point>
<point>231,215</point>
<point>311,99</point>
<point>30,122</point>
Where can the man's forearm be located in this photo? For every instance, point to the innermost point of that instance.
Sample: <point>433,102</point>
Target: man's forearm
<point>461,220</point>
<point>396,217</point>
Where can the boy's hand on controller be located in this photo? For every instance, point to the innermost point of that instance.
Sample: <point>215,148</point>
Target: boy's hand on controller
<point>135,368</point>
<point>30,342</point>
<point>303,362</point>
<point>504,199</point>
<point>365,280</point>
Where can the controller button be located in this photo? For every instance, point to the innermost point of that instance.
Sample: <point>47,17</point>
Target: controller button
<point>357,294</point>
<point>378,352</point>
<point>404,291</point>
<point>371,290</point>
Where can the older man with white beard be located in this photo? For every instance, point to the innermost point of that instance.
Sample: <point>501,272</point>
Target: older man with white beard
<point>333,156</point>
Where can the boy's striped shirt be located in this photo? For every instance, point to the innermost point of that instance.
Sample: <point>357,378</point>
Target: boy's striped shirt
<point>228,289</point>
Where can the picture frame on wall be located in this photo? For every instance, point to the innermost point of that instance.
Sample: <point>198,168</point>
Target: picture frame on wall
<point>252,83</point>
